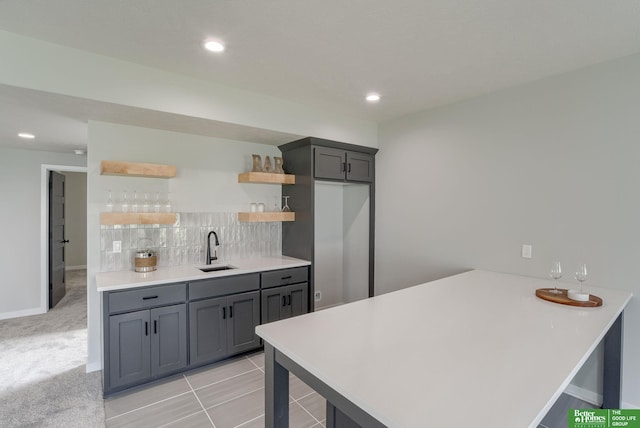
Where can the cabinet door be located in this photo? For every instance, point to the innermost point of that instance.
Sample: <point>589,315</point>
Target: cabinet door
<point>329,163</point>
<point>129,348</point>
<point>359,167</point>
<point>168,339</point>
<point>274,302</point>
<point>244,316</point>
<point>207,330</point>
<point>298,299</point>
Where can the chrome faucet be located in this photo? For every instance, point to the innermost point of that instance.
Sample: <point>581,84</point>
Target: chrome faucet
<point>215,255</point>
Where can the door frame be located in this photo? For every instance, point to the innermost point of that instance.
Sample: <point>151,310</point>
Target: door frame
<point>44,227</point>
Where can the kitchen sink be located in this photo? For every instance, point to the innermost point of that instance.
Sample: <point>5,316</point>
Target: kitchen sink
<point>217,268</point>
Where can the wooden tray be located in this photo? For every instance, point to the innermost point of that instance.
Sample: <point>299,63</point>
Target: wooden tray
<point>563,299</point>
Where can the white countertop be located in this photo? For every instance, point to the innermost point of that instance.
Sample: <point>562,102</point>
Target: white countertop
<point>111,281</point>
<point>476,349</point>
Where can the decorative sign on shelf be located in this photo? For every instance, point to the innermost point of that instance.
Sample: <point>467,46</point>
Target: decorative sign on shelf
<point>267,167</point>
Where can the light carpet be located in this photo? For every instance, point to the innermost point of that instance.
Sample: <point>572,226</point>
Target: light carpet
<point>43,382</point>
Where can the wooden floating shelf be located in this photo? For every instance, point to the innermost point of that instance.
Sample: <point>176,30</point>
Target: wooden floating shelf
<point>137,218</point>
<point>266,177</point>
<point>266,216</point>
<point>136,169</point>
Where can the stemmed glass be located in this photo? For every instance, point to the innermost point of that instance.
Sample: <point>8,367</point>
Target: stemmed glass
<point>581,274</point>
<point>556,274</point>
<point>286,208</point>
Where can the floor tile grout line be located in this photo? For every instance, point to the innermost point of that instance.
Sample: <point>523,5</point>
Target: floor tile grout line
<point>254,363</point>
<point>225,379</point>
<point>147,405</point>
<point>235,398</point>
<point>181,419</point>
<point>199,402</point>
<point>250,420</point>
<point>305,409</point>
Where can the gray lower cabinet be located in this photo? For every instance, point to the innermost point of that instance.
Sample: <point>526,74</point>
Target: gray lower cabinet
<point>285,293</point>
<point>223,326</point>
<point>284,302</point>
<point>146,344</point>
<point>154,331</point>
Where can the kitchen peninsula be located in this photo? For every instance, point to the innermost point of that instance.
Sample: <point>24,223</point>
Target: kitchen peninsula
<point>475,349</point>
<point>176,318</point>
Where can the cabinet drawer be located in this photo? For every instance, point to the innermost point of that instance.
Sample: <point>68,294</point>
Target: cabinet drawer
<point>277,278</point>
<point>222,286</point>
<point>130,300</point>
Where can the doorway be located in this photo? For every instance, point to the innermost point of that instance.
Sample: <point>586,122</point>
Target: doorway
<point>73,222</point>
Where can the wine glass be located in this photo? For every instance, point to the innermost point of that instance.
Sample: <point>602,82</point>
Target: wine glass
<point>110,202</point>
<point>581,274</point>
<point>286,208</point>
<point>156,204</point>
<point>124,204</point>
<point>556,274</point>
<point>134,203</point>
<point>145,204</point>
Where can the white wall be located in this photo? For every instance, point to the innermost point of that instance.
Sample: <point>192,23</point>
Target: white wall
<point>20,185</point>
<point>206,181</point>
<point>76,219</point>
<point>553,164</point>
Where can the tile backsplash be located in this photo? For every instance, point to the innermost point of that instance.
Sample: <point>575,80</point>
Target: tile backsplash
<point>184,243</point>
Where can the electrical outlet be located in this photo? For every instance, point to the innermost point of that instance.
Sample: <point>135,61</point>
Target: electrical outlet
<point>117,246</point>
<point>526,251</point>
<point>317,296</point>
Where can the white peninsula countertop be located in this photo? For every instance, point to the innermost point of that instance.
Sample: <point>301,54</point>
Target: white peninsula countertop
<point>475,349</point>
<point>112,281</point>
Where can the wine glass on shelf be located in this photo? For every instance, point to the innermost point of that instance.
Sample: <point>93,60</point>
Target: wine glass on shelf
<point>124,204</point>
<point>556,274</point>
<point>581,274</point>
<point>286,208</point>
<point>110,202</point>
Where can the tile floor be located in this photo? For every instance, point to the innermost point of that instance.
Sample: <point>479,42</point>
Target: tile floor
<point>225,395</point>
<point>230,394</point>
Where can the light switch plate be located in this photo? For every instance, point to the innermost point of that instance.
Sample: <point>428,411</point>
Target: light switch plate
<point>526,251</point>
<point>117,246</point>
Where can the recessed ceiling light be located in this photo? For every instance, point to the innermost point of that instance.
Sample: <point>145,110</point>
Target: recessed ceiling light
<point>78,152</point>
<point>373,98</point>
<point>26,136</point>
<point>213,46</point>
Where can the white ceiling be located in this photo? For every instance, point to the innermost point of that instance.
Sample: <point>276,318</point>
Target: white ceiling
<point>416,53</point>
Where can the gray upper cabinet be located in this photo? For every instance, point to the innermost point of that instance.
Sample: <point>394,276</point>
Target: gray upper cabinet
<point>337,164</point>
<point>359,167</point>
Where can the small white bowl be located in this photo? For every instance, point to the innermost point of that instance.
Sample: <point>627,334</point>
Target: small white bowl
<point>579,296</point>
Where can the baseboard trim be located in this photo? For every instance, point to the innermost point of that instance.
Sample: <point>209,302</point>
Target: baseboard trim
<point>93,367</point>
<point>79,267</point>
<point>584,394</point>
<point>593,398</point>
<point>23,313</point>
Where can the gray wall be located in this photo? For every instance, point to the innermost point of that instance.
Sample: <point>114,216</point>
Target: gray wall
<point>20,191</point>
<point>555,164</point>
<point>76,219</point>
